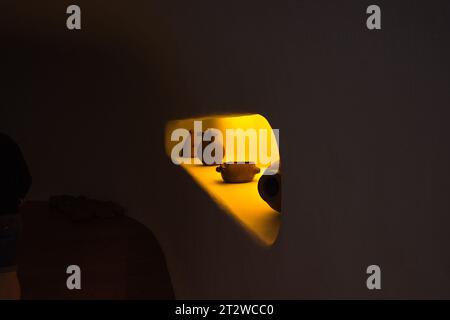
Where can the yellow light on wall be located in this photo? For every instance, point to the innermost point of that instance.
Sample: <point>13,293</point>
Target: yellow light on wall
<point>242,201</point>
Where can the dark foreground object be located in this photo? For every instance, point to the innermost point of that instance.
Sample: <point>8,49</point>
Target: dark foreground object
<point>119,258</point>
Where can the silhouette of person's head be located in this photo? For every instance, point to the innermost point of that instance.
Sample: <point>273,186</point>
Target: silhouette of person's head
<point>15,178</point>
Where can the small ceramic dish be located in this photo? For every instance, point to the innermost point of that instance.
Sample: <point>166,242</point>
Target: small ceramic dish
<point>238,172</point>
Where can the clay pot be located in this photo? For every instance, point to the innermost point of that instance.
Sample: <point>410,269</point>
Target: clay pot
<point>236,172</point>
<point>269,187</point>
<point>200,150</point>
<point>204,145</point>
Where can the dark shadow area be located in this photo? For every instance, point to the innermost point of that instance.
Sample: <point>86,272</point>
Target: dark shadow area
<point>119,257</point>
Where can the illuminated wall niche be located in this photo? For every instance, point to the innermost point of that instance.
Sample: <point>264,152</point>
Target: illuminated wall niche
<point>241,200</point>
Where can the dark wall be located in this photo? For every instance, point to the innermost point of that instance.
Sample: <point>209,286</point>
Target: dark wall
<point>363,120</point>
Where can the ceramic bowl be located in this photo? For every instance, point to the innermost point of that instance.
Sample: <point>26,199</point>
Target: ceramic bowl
<point>238,172</point>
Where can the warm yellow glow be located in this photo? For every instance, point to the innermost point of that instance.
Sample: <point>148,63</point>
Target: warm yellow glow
<point>242,201</point>
<point>222,123</point>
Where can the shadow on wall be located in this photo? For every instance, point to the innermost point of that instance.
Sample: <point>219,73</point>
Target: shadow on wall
<point>118,257</point>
